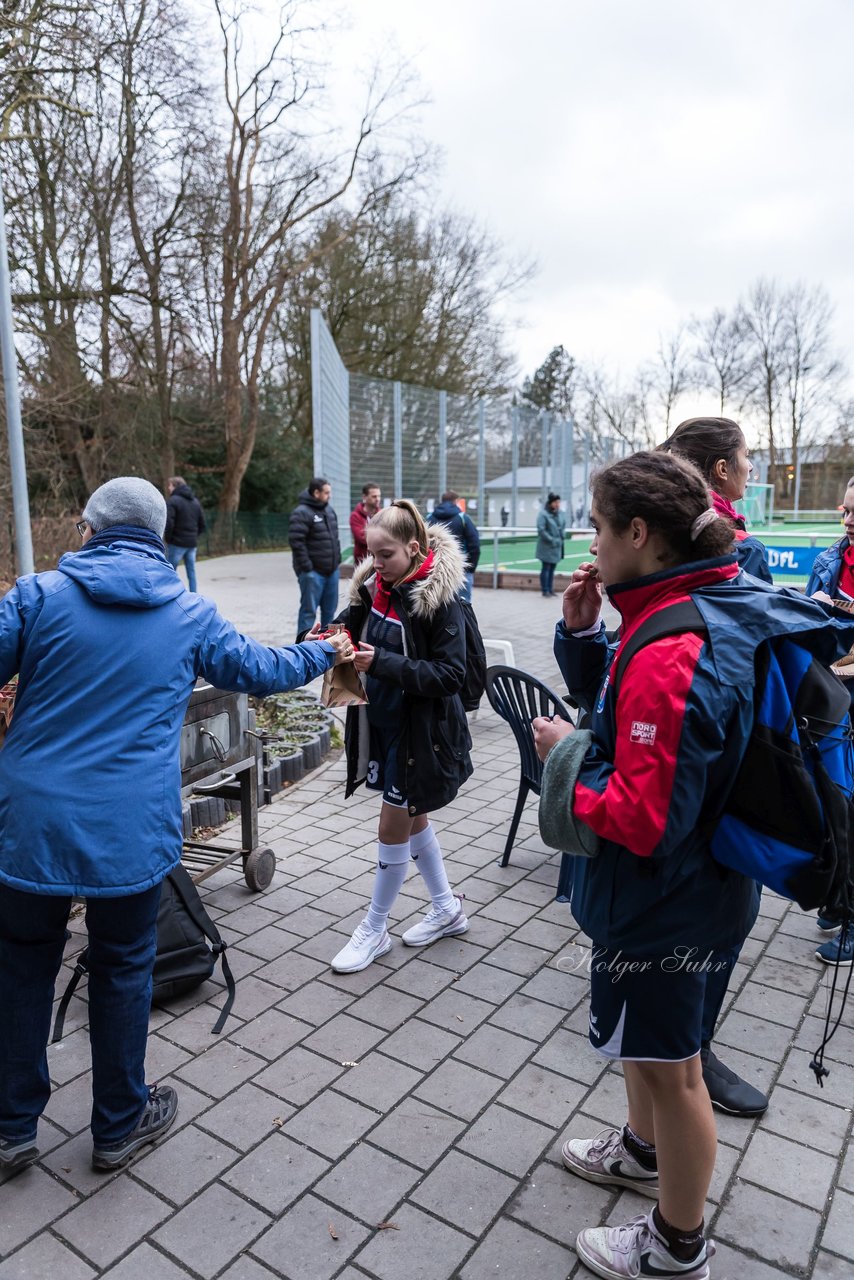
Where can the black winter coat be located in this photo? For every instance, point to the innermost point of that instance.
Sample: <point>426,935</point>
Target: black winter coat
<point>185,519</point>
<point>313,536</point>
<point>462,527</point>
<point>434,754</point>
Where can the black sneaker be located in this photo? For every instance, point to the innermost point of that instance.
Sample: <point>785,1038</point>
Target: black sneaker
<point>15,1157</point>
<point>160,1111</point>
<point>728,1091</point>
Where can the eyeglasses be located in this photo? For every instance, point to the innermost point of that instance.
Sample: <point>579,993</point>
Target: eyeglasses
<point>81,526</point>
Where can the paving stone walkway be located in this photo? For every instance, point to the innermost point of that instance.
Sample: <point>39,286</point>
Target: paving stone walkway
<point>405,1123</point>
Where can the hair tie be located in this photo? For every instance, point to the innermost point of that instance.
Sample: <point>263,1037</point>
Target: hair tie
<point>704,519</point>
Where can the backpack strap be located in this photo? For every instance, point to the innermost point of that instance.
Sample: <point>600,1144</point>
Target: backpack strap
<point>670,621</point>
<point>81,969</point>
<point>180,880</point>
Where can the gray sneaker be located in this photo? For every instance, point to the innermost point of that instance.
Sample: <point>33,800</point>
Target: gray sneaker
<point>626,1253</point>
<point>15,1157</point>
<point>160,1110</point>
<point>605,1159</point>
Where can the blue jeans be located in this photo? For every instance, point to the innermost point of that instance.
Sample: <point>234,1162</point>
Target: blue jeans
<point>317,590</point>
<point>122,945</point>
<point>467,587</point>
<point>188,554</point>
<point>547,577</point>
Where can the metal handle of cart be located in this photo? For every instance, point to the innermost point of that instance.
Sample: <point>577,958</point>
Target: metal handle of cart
<point>208,788</point>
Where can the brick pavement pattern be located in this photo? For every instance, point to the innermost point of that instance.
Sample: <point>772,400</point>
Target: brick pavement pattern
<point>405,1123</point>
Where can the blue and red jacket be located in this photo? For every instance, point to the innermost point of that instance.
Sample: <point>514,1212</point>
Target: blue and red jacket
<point>751,554</point>
<point>662,759</point>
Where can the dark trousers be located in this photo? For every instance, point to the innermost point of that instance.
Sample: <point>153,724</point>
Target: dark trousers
<point>547,577</point>
<point>122,945</point>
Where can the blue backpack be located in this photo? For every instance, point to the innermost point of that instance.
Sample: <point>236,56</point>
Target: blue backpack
<point>786,820</point>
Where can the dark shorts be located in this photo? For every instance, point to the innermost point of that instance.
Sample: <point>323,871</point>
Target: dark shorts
<point>382,766</point>
<point>647,1010</point>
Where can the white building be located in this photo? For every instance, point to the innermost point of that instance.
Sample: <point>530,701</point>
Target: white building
<point>530,495</point>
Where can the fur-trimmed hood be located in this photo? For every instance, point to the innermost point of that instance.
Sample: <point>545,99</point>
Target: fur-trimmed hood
<point>442,584</point>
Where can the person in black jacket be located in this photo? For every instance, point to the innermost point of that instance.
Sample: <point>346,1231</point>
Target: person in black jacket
<point>464,530</point>
<point>316,550</point>
<point>411,742</point>
<point>185,521</point>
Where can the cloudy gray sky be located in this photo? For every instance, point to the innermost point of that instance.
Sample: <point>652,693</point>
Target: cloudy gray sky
<point>654,157</point>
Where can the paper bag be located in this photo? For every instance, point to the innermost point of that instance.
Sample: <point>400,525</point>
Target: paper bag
<point>342,687</point>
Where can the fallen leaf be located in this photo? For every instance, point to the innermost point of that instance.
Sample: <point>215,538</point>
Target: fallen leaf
<point>459,1019</point>
<point>387,1226</point>
<point>278,1122</point>
<point>333,1232</point>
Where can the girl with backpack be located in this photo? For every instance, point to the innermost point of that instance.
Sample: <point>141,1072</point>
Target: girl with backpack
<point>411,741</point>
<point>653,901</point>
<point>718,449</point>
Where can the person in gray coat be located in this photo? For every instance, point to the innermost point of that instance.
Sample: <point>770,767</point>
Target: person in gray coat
<point>551,526</point>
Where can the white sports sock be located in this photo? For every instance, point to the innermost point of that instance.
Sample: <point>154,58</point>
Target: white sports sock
<point>427,856</point>
<point>392,865</point>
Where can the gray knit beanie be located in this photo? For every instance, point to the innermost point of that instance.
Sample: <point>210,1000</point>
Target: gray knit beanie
<point>126,500</point>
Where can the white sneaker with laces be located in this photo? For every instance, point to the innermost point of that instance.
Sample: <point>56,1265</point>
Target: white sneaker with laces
<point>637,1250</point>
<point>437,924</point>
<point>604,1159</point>
<point>366,945</point>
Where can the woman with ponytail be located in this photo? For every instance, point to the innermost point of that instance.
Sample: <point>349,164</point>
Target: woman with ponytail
<point>644,785</point>
<point>718,449</point>
<point>411,741</point>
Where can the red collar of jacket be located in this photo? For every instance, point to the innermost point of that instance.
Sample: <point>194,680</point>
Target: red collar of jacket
<point>382,594</point>
<point>724,508</point>
<point>637,599</point>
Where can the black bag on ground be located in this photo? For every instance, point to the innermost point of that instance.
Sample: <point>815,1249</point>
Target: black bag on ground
<point>188,947</point>
<point>475,681</point>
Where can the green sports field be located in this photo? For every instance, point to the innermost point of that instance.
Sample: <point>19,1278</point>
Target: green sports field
<point>515,552</point>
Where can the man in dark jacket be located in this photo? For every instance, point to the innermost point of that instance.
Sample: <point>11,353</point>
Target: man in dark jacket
<point>317,554</point>
<point>185,521</point>
<point>107,649</point>
<point>464,530</point>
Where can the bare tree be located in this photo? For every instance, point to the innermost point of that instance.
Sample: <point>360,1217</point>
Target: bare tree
<point>668,376</point>
<point>720,355</point>
<point>761,315</point>
<point>811,371</point>
<point>274,187</point>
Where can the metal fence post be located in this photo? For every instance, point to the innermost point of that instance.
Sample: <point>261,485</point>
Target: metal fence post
<point>17,458</point>
<point>546,421</point>
<point>567,470</point>
<point>514,464</point>
<point>398,440</point>
<point>584,500</point>
<point>443,443</point>
<point>482,512</point>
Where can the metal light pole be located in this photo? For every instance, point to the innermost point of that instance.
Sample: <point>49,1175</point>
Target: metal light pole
<point>9,361</point>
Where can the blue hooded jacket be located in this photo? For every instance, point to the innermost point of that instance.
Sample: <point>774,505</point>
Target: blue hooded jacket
<point>826,568</point>
<point>108,648</point>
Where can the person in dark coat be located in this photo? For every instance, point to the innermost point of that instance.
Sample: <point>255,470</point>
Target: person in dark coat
<point>107,649</point>
<point>316,551</point>
<point>551,527</point>
<point>464,530</point>
<point>185,523</point>
<point>411,741</point>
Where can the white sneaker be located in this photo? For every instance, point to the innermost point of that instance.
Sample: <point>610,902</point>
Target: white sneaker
<point>437,924</point>
<point>637,1250</point>
<point>604,1159</point>
<point>366,944</point>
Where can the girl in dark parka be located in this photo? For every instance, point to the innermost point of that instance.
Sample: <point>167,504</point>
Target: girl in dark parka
<point>411,742</point>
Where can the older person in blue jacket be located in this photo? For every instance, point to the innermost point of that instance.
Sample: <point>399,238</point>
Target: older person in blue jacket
<point>107,649</point>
